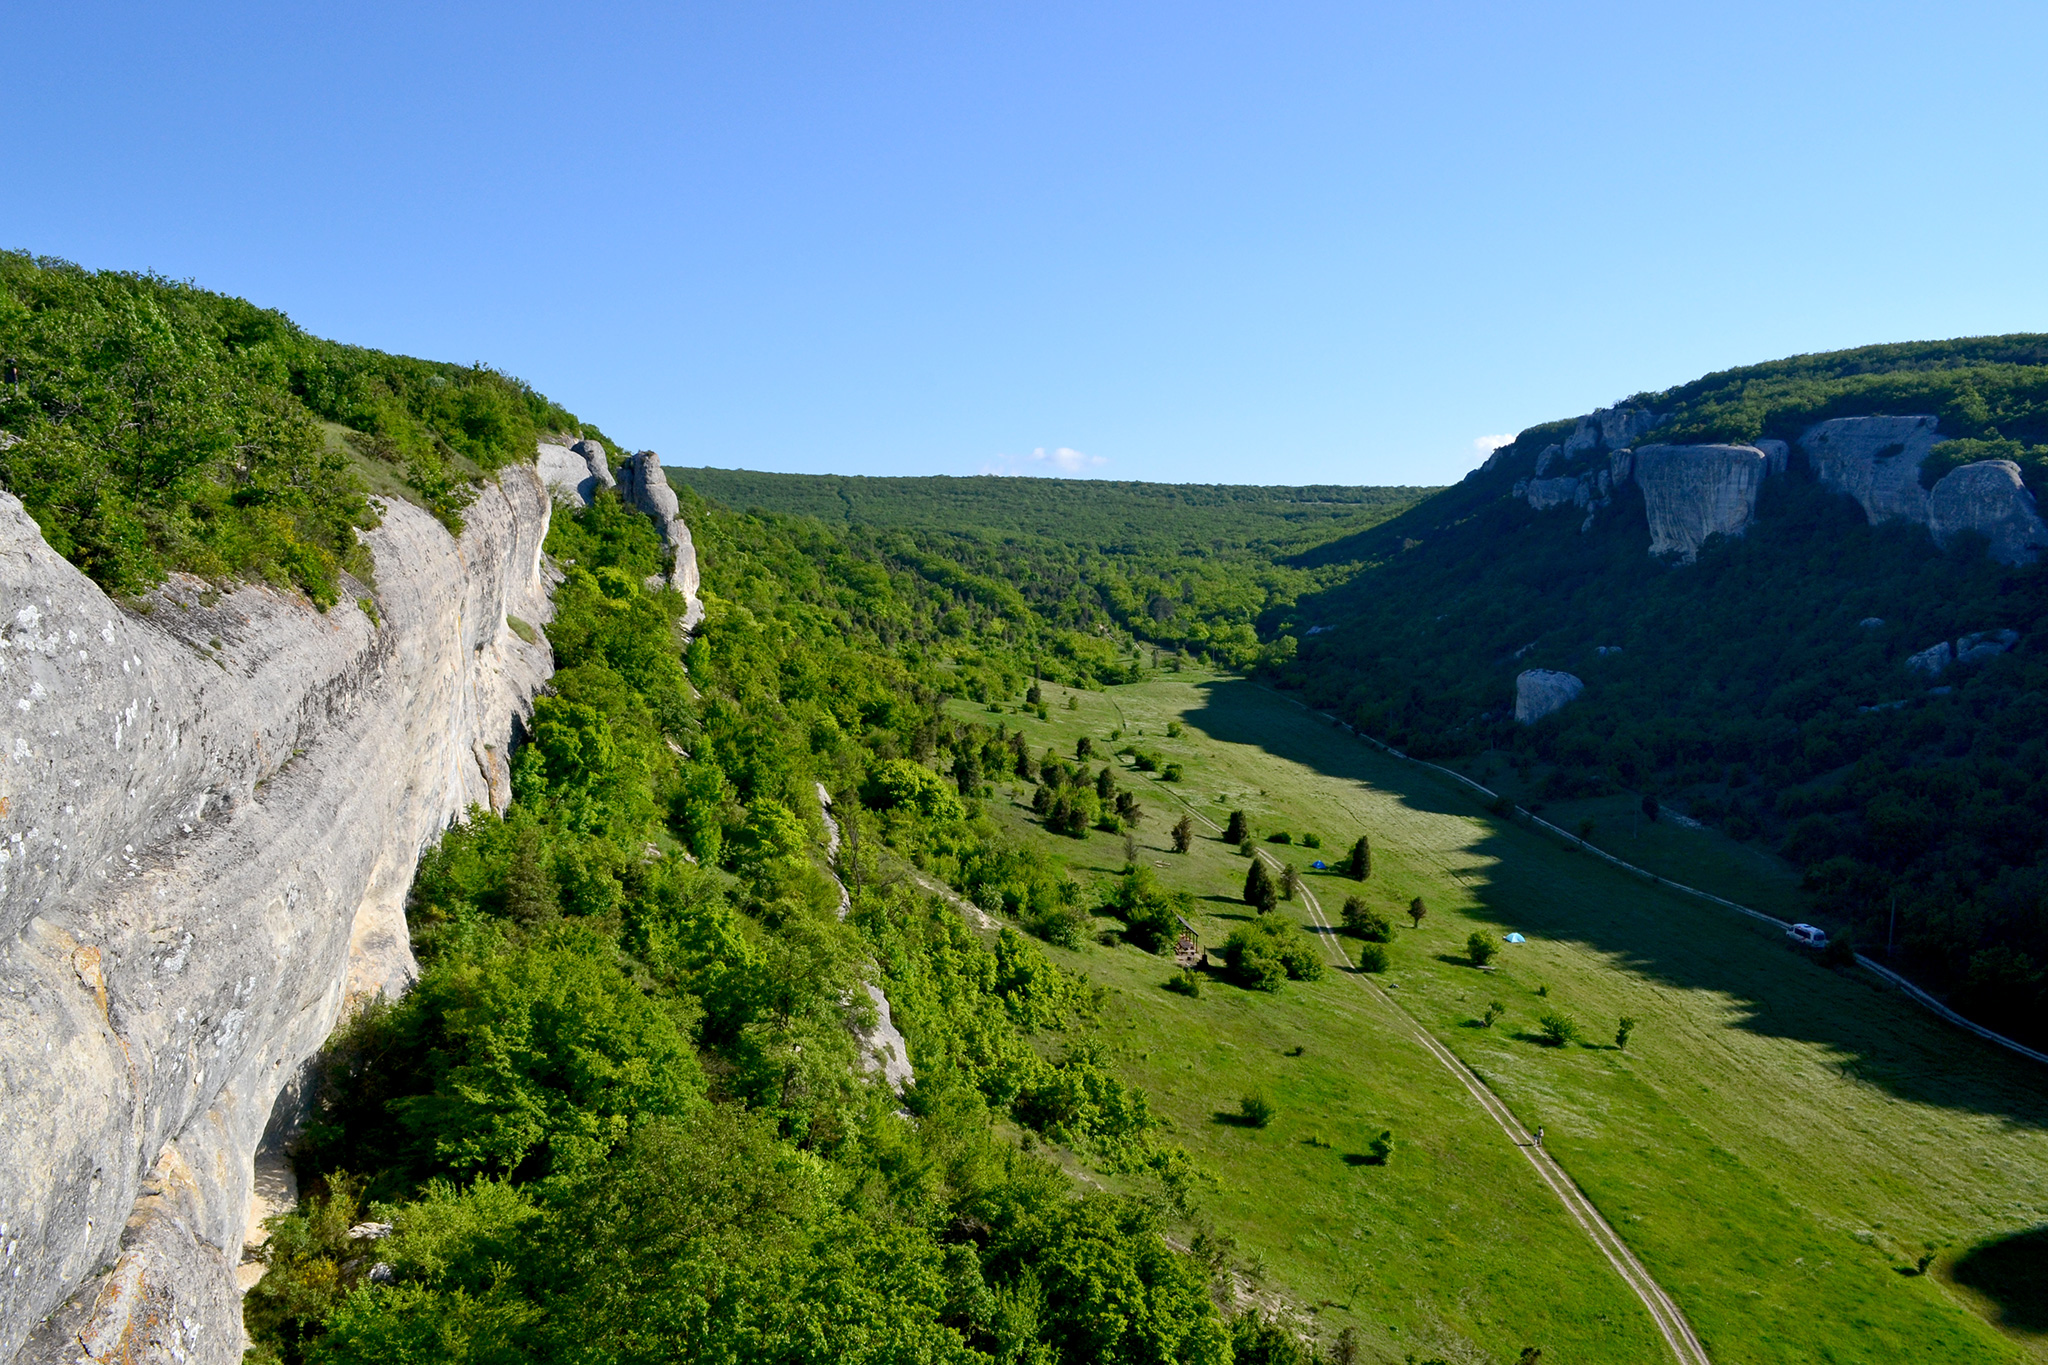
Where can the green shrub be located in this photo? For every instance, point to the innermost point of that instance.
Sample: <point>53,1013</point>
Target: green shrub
<point>1558,1028</point>
<point>1362,921</point>
<point>1280,837</point>
<point>1171,773</point>
<point>1481,946</point>
<point>1311,841</point>
<point>1494,1010</point>
<point>1256,1110</point>
<point>1372,957</point>
<point>1622,1029</point>
<point>1381,1148</point>
<point>1272,949</point>
<point>1185,983</point>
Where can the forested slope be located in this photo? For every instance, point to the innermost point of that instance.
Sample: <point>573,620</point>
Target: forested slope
<point>1763,688</point>
<point>1189,566</point>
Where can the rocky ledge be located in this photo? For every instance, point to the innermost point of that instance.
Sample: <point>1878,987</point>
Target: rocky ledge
<point>211,806</point>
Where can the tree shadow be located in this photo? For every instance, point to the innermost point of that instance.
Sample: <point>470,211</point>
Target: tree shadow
<point>1229,1120</point>
<point>1362,1159</point>
<point>1518,879</point>
<point>2012,1272</point>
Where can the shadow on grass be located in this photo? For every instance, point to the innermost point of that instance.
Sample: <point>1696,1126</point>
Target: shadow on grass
<point>1361,1159</point>
<point>1229,1120</point>
<point>2012,1272</point>
<point>1524,880</point>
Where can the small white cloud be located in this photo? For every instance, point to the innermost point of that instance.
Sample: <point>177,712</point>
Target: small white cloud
<point>1486,445</point>
<point>1043,462</point>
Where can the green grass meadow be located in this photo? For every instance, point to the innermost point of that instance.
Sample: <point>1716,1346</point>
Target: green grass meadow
<point>1780,1143</point>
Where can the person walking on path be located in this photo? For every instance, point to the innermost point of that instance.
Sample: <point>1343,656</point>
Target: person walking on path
<point>1539,1135</point>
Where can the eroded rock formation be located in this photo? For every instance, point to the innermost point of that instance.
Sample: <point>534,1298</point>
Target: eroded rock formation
<point>1875,460</point>
<point>1692,492</point>
<point>1539,691</point>
<point>211,810</point>
<point>643,485</point>
<point>1989,499</point>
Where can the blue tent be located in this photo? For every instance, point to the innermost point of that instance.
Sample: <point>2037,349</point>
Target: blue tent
<point>1516,938</point>
<point>1318,863</point>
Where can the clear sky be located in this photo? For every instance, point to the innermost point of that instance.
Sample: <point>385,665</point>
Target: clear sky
<point>1253,243</point>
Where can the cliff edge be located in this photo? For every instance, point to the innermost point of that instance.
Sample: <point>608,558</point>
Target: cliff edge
<point>211,806</point>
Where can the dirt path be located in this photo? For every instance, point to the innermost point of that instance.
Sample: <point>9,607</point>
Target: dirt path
<point>1677,1333</point>
<point>1671,1323</point>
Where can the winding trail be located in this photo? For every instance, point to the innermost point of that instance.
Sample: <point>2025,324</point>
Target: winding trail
<point>1677,1332</point>
<point>1671,1323</point>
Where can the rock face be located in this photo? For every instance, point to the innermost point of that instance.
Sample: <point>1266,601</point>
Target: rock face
<point>575,471</point>
<point>1875,460</point>
<point>1692,492</point>
<point>212,811</point>
<point>1989,499</point>
<point>1975,648</point>
<point>1538,692</point>
<point>643,485</point>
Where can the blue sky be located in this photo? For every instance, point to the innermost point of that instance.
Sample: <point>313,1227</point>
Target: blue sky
<point>1273,243</point>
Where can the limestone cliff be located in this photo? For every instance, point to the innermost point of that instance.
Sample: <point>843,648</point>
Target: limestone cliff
<point>1875,460</point>
<point>1692,492</point>
<point>1989,499</point>
<point>211,805</point>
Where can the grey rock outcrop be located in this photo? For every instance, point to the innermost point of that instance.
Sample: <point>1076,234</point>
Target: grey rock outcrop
<point>643,485</point>
<point>1693,492</point>
<point>600,463</point>
<point>1989,499</point>
<point>1875,460</point>
<point>1779,454</point>
<point>1933,660</point>
<point>883,1047</point>
<point>1978,647</point>
<point>1539,692</point>
<point>210,813</point>
<point>574,471</point>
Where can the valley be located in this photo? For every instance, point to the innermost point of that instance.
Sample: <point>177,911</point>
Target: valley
<point>1780,1143</point>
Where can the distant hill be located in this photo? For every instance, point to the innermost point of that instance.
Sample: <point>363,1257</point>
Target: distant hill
<point>1185,565</point>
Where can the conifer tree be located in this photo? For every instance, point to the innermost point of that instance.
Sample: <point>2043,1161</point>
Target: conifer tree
<point>1105,784</point>
<point>1361,859</point>
<point>1258,888</point>
<point>1235,832</point>
<point>1184,834</point>
<point>1417,910</point>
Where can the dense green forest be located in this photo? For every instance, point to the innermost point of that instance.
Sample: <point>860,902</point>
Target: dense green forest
<point>1184,566</point>
<point>1745,690</point>
<point>151,426</point>
<point>623,1115</point>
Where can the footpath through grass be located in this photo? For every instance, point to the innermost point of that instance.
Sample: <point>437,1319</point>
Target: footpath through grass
<point>1780,1144</point>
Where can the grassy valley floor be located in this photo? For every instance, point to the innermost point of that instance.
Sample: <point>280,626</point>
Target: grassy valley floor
<point>1780,1144</point>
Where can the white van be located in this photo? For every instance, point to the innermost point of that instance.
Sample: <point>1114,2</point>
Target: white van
<point>1807,936</point>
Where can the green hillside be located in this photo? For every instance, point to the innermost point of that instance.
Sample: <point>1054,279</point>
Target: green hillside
<point>1181,565</point>
<point>1744,692</point>
<point>150,426</point>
